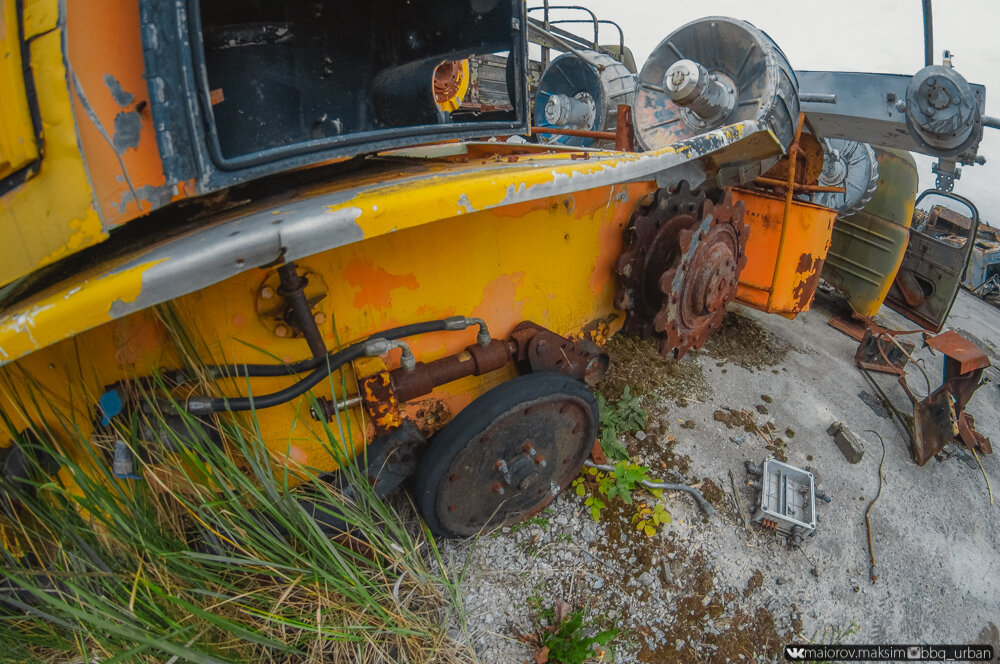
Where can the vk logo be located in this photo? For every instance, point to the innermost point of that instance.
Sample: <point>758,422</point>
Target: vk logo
<point>795,653</point>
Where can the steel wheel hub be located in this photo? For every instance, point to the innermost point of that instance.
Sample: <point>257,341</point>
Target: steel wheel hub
<point>516,465</point>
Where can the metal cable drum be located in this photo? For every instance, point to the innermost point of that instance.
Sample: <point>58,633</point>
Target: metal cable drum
<point>581,93</point>
<point>851,165</point>
<point>712,72</point>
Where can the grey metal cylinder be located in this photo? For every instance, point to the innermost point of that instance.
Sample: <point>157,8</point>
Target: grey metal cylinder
<point>942,111</point>
<point>564,111</point>
<point>710,97</point>
<point>850,165</point>
<point>735,55</point>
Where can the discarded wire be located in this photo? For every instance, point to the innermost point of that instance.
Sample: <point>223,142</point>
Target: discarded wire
<point>868,523</point>
<point>666,486</point>
<point>988,487</point>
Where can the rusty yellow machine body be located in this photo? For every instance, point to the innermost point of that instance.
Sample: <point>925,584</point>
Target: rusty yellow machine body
<point>372,267</point>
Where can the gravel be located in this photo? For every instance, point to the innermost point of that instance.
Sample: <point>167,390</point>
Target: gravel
<point>679,596</point>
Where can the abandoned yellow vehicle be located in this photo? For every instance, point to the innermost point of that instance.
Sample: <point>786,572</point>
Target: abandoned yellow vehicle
<point>409,233</point>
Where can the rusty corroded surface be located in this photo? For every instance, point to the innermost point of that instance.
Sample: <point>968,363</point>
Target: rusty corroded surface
<point>966,354</point>
<point>681,267</point>
<point>380,402</point>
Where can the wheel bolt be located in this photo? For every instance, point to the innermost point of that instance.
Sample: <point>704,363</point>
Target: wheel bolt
<point>540,461</point>
<point>320,318</point>
<point>266,292</point>
<point>528,448</point>
<point>497,488</point>
<point>281,331</point>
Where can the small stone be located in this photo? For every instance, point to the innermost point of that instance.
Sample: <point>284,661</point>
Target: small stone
<point>668,574</point>
<point>598,583</point>
<point>640,435</point>
<point>488,618</point>
<point>849,444</point>
<point>779,581</point>
<point>740,439</point>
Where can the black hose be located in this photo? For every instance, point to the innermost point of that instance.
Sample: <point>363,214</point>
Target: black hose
<point>308,364</point>
<point>331,364</point>
<point>411,330</point>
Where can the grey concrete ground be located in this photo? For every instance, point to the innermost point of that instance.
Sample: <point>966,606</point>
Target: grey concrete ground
<point>690,593</point>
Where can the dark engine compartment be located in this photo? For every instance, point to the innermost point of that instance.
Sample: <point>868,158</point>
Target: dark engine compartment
<point>308,72</point>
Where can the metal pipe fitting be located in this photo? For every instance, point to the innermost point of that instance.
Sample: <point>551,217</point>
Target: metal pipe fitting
<point>565,111</point>
<point>709,97</point>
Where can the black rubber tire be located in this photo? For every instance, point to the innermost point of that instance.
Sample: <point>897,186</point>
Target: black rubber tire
<point>474,419</point>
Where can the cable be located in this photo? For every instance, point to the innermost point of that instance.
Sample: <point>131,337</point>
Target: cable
<point>988,487</point>
<point>704,504</point>
<point>868,523</point>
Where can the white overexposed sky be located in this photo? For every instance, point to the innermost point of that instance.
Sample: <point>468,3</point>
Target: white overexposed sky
<point>884,36</point>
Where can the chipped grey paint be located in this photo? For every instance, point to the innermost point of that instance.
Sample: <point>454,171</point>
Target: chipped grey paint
<point>658,165</point>
<point>121,97</point>
<point>205,257</point>
<point>155,196</point>
<point>128,127</point>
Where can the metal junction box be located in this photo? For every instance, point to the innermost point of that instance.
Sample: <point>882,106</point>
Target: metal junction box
<point>787,499</point>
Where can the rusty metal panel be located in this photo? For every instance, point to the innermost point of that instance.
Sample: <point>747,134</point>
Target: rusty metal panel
<point>786,287</point>
<point>969,356</point>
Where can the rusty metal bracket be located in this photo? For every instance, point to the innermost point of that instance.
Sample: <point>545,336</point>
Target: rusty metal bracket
<point>287,302</point>
<point>544,350</point>
<point>939,418</point>
<point>878,353</point>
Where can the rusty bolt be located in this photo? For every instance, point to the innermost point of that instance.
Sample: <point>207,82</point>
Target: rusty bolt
<point>266,292</point>
<point>540,461</point>
<point>281,331</point>
<point>320,318</point>
<point>528,448</point>
<point>497,488</point>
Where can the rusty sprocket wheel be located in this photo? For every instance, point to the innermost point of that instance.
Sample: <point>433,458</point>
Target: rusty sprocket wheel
<point>681,266</point>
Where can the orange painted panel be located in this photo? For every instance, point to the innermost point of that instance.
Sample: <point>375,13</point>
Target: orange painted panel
<point>111,104</point>
<point>786,287</point>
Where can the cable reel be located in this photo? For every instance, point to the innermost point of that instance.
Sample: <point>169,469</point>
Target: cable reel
<point>581,91</point>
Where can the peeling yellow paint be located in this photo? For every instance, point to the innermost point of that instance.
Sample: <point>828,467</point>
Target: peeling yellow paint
<point>85,233</point>
<point>58,316</point>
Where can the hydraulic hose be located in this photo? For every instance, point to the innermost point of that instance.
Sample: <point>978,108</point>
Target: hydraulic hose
<point>204,405</point>
<point>302,366</point>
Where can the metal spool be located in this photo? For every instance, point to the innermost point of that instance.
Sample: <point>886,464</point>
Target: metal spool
<point>712,72</point>
<point>851,165</point>
<point>577,93</point>
<point>942,111</point>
